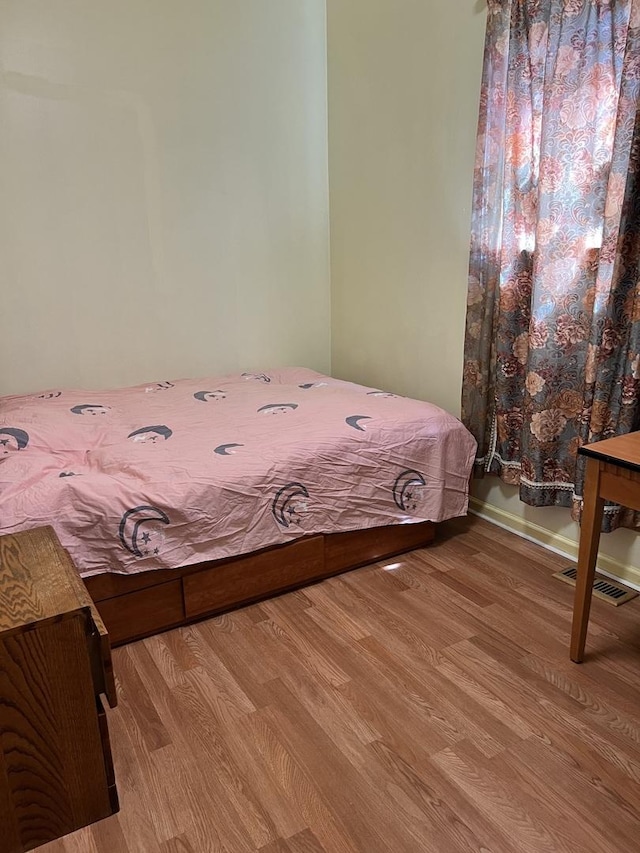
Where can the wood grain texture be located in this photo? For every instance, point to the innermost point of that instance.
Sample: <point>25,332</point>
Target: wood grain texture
<point>426,708</point>
<point>358,547</point>
<point>620,485</point>
<point>254,577</point>
<point>143,612</point>
<point>50,737</point>
<point>612,474</point>
<point>8,819</point>
<point>99,638</point>
<point>54,753</point>
<point>39,583</point>
<point>587,555</point>
<point>621,449</point>
<point>36,582</point>
<point>135,606</point>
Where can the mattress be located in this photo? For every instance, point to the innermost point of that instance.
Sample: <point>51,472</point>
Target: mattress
<point>175,473</point>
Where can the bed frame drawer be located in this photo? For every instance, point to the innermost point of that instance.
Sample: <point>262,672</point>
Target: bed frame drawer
<point>144,612</point>
<point>137,605</point>
<point>346,550</point>
<point>271,571</point>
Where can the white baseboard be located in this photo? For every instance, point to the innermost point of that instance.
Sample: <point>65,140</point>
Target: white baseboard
<point>553,541</point>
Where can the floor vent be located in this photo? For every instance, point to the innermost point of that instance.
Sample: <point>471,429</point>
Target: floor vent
<point>610,591</point>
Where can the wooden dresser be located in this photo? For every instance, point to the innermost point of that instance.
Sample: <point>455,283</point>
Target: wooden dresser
<point>56,773</point>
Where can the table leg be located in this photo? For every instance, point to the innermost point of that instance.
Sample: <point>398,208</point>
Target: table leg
<point>587,553</point>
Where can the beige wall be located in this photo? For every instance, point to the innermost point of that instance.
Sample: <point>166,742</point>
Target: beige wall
<point>163,170</point>
<point>404,80</point>
<point>404,83</point>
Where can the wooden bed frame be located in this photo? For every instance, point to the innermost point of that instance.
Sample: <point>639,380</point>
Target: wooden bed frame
<point>136,606</point>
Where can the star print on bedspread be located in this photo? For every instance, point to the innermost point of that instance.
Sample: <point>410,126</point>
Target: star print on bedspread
<point>143,542</point>
<point>408,490</point>
<point>290,505</point>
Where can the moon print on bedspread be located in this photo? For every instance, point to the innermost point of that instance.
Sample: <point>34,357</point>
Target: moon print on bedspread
<point>12,438</point>
<point>150,434</point>
<point>277,408</point>
<point>49,395</point>
<point>203,396</point>
<point>308,385</point>
<point>290,504</point>
<point>354,421</point>
<point>90,409</point>
<point>408,489</point>
<point>225,449</point>
<point>259,377</point>
<point>139,532</point>
<point>380,394</point>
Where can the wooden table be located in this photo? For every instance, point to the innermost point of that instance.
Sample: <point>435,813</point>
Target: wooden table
<point>56,773</point>
<point>613,474</point>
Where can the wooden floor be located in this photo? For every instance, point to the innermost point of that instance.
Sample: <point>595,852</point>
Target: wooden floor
<point>425,706</point>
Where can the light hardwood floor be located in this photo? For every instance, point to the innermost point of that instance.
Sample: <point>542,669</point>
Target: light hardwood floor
<point>427,707</point>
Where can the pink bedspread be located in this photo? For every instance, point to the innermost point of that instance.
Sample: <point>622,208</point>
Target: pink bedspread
<point>174,473</point>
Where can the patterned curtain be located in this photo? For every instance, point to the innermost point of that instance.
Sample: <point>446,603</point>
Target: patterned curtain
<point>552,348</point>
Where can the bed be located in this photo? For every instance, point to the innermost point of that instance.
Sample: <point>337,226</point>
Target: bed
<point>179,499</point>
